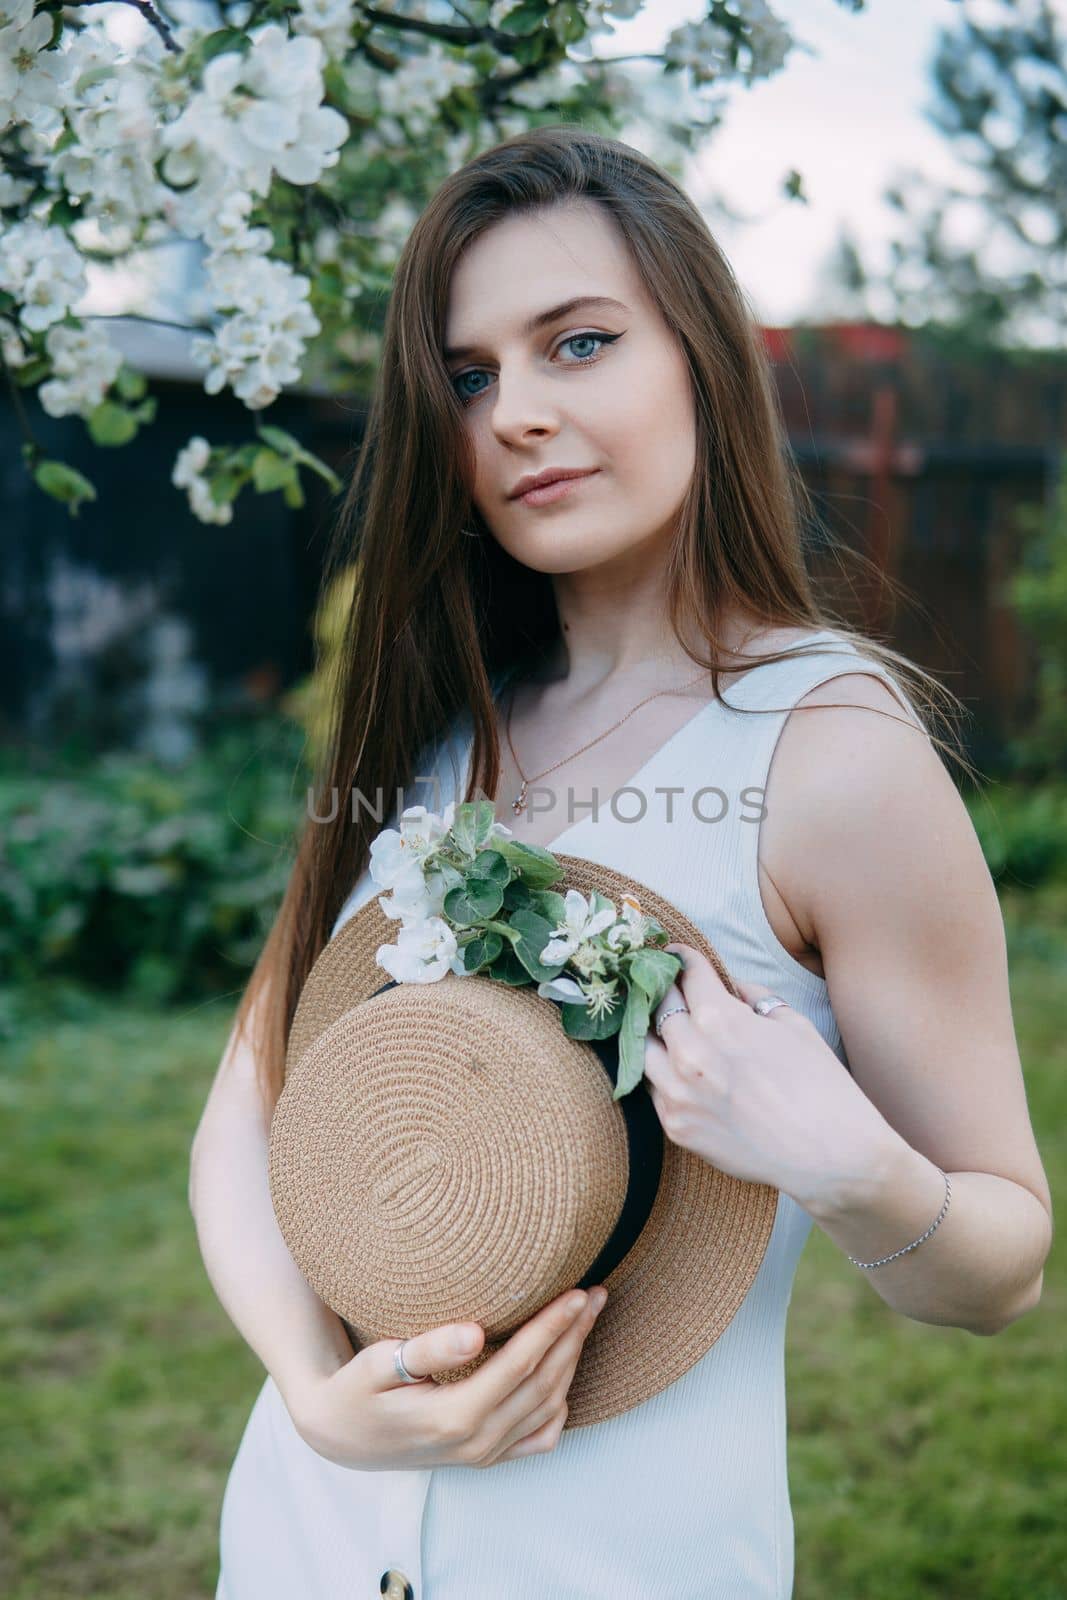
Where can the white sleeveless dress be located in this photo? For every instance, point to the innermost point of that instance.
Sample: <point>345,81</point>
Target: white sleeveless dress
<point>685,1495</point>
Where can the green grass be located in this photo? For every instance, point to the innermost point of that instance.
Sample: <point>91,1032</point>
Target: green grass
<point>923,1461</point>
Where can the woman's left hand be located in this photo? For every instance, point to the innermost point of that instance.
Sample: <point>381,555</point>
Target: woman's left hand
<point>762,1098</point>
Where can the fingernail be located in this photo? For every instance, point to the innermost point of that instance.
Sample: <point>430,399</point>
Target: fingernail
<point>599,1299</point>
<point>576,1304</point>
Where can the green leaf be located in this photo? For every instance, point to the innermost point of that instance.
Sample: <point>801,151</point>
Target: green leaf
<point>475,902</point>
<point>517,895</point>
<point>307,459</point>
<point>63,483</point>
<point>293,495</point>
<point>225,485</point>
<point>489,863</point>
<point>567,23</point>
<point>130,384</point>
<point>222,41</point>
<point>538,866</point>
<point>533,932</point>
<point>527,16</point>
<point>270,472</point>
<point>32,371</point>
<point>482,951</point>
<point>279,440</point>
<point>579,1023</point>
<point>635,1019</point>
<point>471,822</point>
<point>111,424</point>
<point>653,971</point>
<point>530,50</point>
<point>547,903</point>
<point>507,968</point>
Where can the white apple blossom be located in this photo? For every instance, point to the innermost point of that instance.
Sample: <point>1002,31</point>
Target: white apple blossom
<point>769,39</point>
<point>190,461</point>
<point>329,21</point>
<point>415,90</point>
<point>548,89</point>
<point>258,349</point>
<point>30,75</point>
<point>262,113</point>
<point>15,352</point>
<point>228,229</point>
<point>630,930</point>
<point>13,191</point>
<point>588,959</point>
<point>424,952</point>
<point>391,227</point>
<point>84,364</point>
<point>43,270</point>
<point>566,990</point>
<point>705,48</point>
<point>580,924</point>
<point>204,506</point>
<point>187,473</point>
<point>398,857</point>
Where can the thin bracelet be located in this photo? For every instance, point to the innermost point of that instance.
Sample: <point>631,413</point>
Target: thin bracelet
<point>882,1261</point>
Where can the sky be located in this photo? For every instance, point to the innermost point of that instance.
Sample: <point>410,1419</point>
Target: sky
<point>848,118</point>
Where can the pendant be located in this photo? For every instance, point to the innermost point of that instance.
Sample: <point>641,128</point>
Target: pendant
<point>519,802</point>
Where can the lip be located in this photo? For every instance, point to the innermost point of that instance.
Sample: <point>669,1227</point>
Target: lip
<point>544,487</point>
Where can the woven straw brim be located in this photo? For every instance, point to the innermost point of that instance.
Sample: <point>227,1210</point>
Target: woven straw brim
<point>690,1269</point>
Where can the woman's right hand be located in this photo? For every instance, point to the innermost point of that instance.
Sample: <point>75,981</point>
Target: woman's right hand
<point>365,1416</point>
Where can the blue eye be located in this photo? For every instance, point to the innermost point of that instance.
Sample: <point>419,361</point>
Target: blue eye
<point>581,361</point>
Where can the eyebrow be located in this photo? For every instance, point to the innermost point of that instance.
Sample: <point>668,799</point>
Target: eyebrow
<point>541,319</point>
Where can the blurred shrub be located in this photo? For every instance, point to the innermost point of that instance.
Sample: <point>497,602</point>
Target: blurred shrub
<point>1023,832</point>
<point>311,701</point>
<point>161,884</point>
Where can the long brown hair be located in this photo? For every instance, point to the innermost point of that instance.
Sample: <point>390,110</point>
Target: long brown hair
<point>435,616</point>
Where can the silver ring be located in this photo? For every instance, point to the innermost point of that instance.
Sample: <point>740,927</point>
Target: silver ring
<point>768,1003</point>
<point>401,1371</point>
<point>660,1020</point>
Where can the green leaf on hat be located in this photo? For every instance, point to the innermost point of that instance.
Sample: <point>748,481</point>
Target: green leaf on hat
<point>635,1019</point>
<point>482,950</point>
<point>653,971</point>
<point>476,900</point>
<point>509,969</point>
<point>579,1023</point>
<point>490,864</point>
<point>534,932</point>
<point>538,866</point>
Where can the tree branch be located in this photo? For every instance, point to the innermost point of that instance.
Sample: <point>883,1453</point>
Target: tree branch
<point>448,32</point>
<point>148,12</point>
<point>21,414</point>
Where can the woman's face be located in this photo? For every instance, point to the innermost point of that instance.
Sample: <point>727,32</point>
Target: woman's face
<point>602,388</point>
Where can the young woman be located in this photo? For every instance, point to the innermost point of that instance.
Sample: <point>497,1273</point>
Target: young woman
<point>560,307</point>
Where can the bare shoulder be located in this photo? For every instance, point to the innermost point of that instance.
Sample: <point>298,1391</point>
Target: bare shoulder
<point>871,845</point>
<point>857,793</point>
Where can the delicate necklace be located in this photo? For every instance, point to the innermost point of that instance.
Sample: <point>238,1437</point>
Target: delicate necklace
<point>519,803</point>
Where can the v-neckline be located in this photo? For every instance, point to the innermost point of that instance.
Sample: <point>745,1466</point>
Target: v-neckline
<point>633,780</point>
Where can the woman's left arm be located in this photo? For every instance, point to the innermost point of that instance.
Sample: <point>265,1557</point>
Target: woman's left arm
<point>887,878</point>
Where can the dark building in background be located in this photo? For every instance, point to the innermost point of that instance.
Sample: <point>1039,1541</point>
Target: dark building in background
<point>919,457</point>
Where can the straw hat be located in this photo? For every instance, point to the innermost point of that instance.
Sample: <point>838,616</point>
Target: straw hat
<point>446,1152</point>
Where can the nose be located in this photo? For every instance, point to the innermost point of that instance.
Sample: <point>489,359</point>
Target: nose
<point>521,409</point>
